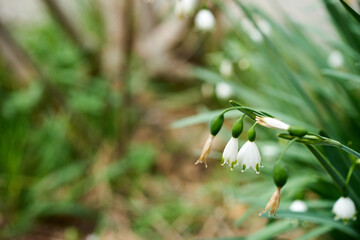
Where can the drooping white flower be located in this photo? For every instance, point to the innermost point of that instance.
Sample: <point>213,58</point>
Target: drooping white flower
<point>223,90</point>
<point>272,123</point>
<point>185,7</point>
<point>206,150</point>
<point>249,156</point>
<point>204,20</point>
<point>335,59</point>
<point>230,152</point>
<point>344,208</point>
<point>226,68</point>
<point>298,206</point>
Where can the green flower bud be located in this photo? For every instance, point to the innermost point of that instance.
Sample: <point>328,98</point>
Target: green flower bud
<point>297,131</point>
<point>237,128</point>
<point>252,133</point>
<point>280,174</point>
<point>216,124</point>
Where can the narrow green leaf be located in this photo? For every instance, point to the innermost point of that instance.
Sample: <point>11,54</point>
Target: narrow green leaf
<point>320,218</point>
<point>272,230</point>
<point>201,118</point>
<point>336,176</point>
<point>341,75</point>
<point>316,232</point>
<point>351,11</point>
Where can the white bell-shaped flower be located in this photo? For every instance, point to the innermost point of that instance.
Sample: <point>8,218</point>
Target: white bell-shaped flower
<point>204,20</point>
<point>344,208</point>
<point>230,152</point>
<point>298,206</point>
<point>249,156</point>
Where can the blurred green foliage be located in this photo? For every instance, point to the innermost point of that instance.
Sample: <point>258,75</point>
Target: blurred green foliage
<point>54,153</point>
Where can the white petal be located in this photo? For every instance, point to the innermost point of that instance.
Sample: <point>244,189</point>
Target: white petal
<point>230,151</point>
<point>241,155</point>
<point>205,20</point>
<point>252,157</point>
<point>344,208</point>
<point>272,123</point>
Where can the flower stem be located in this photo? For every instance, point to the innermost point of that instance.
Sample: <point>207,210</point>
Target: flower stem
<point>350,150</point>
<point>287,147</point>
<point>351,169</point>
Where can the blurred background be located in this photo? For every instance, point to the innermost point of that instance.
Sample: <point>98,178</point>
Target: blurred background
<point>105,105</point>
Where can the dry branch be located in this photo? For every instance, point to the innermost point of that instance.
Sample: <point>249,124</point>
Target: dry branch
<point>17,59</point>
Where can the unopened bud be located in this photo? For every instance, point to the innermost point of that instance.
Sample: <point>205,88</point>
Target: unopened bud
<point>216,124</point>
<point>280,174</point>
<point>297,131</point>
<point>252,134</point>
<point>237,128</point>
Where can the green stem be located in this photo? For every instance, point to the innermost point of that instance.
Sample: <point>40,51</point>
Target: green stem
<point>351,169</point>
<point>287,147</point>
<point>349,150</point>
<point>320,140</point>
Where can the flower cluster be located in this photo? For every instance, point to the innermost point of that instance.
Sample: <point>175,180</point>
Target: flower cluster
<point>248,156</point>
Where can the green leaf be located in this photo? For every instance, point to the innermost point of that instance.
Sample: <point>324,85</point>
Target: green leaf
<point>201,118</point>
<point>333,172</point>
<point>319,218</point>
<point>272,230</point>
<point>341,75</point>
<point>316,232</point>
<point>351,11</point>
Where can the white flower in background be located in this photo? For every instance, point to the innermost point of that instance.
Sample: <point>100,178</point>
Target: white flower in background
<point>204,20</point>
<point>298,206</point>
<point>272,123</point>
<point>185,7</point>
<point>230,152</point>
<point>335,59</point>
<point>264,26</point>
<point>249,156</point>
<point>344,208</point>
<point>223,90</point>
<point>226,68</point>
